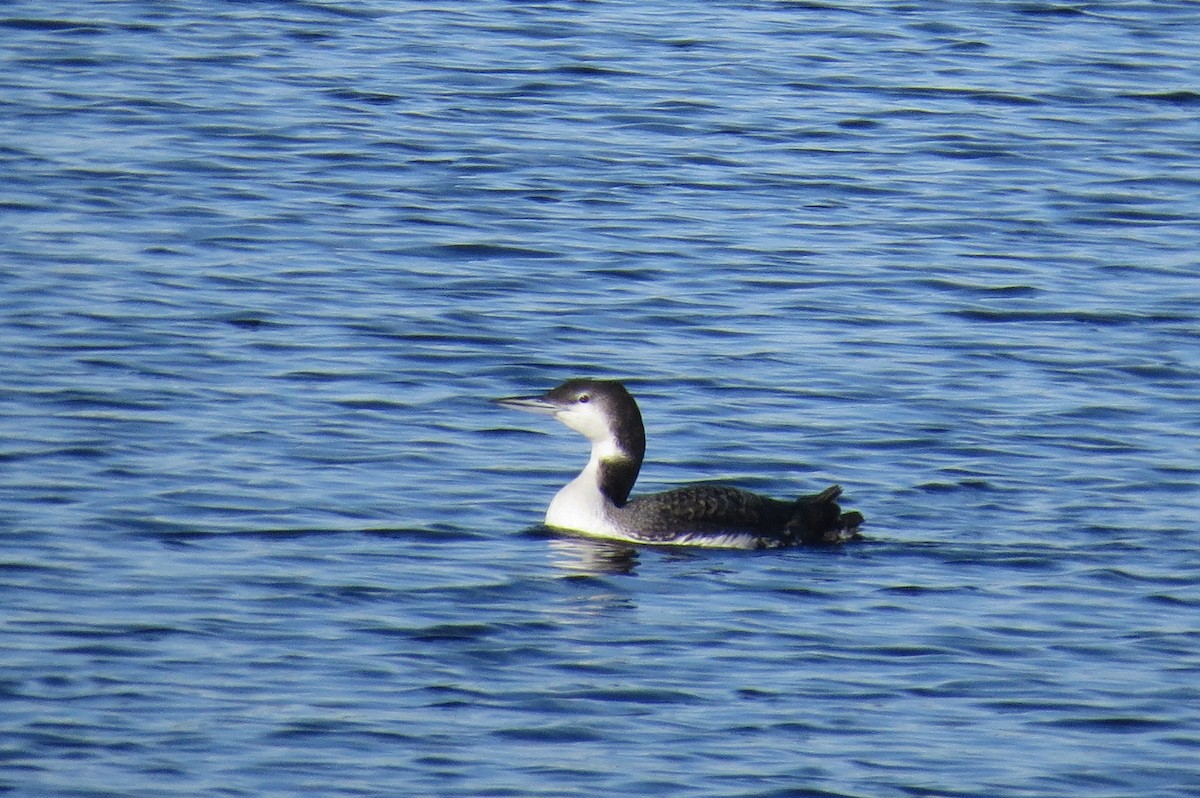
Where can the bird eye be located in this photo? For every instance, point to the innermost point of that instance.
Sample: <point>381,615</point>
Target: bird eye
<point>584,399</point>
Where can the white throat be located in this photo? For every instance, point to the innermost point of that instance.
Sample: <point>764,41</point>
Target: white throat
<point>580,505</point>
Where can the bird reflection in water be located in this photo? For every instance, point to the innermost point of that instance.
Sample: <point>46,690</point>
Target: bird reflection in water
<point>591,556</point>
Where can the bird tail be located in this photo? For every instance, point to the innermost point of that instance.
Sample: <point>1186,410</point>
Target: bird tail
<point>819,520</point>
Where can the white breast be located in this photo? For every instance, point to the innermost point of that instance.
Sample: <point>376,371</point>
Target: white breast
<point>581,507</point>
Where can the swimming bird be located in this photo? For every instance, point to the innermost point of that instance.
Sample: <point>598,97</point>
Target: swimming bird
<point>596,503</point>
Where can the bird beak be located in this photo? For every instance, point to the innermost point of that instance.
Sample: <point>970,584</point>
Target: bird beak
<point>530,404</point>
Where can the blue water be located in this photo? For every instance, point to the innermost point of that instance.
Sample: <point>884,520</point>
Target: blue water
<point>262,264</point>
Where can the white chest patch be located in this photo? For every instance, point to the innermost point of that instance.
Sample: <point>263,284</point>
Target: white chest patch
<point>581,507</point>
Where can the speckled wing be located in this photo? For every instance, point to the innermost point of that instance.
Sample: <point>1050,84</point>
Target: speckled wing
<point>704,509</point>
<point>719,515</point>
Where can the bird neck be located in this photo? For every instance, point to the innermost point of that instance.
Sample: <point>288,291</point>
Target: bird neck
<point>614,465</point>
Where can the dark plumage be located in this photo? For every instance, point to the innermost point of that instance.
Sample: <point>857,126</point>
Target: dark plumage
<point>718,509</point>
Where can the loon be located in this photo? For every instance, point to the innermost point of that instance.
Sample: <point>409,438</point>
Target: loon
<point>596,503</point>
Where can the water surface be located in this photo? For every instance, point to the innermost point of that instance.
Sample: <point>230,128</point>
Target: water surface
<point>263,264</point>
